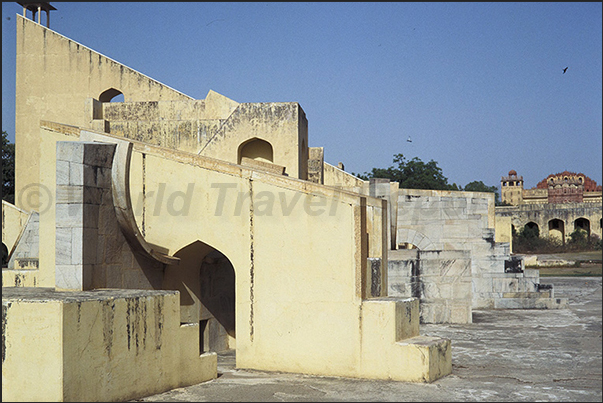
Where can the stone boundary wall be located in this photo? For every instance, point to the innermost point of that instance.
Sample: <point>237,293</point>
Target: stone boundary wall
<point>541,214</point>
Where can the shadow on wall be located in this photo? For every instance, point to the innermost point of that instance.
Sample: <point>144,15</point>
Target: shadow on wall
<point>4,255</point>
<point>206,280</point>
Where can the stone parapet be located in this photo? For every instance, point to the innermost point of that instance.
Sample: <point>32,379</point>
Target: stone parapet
<point>102,345</point>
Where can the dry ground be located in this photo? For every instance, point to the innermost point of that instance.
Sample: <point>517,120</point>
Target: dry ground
<point>589,264</point>
<point>505,355</point>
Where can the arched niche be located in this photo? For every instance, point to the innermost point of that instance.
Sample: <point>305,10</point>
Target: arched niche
<point>205,278</point>
<point>532,226</point>
<point>111,94</point>
<point>583,224</point>
<point>256,149</point>
<point>557,229</point>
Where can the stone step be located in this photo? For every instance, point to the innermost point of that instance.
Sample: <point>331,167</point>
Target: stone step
<point>531,303</point>
<point>435,352</point>
<point>528,294</point>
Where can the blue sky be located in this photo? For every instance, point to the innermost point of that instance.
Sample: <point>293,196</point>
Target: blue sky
<point>479,87</point>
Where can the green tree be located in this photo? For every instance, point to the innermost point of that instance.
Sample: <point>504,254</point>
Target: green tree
<point>8,169</point>
<point>479,186</point>
<point>579,237</point>
<point>416,174</point>
<point>412,174</point>
<point>581,241</point>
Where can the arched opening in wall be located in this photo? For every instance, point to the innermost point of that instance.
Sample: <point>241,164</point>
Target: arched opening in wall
<point>111,95</point>
<point>411,239</point>
<point>118,98</point>
<point>557,230</point>
<point>533,228</point>
<point>583,224</point>
<point>4,255</point>
<point>256,149</point>
<point>205,278</point>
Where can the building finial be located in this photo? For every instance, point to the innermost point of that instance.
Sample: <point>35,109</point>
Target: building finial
<point>37,8</point>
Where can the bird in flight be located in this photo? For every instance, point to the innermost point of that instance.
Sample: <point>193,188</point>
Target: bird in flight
<point>564,70</point>
<point>219,19</point>
<point>409,140</point>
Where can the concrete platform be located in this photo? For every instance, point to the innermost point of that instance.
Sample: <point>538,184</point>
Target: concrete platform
<point>505,355</point>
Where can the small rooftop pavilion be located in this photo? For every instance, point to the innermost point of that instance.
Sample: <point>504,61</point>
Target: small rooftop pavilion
<point>37,8</point>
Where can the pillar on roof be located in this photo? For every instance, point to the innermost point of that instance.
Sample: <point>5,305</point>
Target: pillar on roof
<point>36,8</point>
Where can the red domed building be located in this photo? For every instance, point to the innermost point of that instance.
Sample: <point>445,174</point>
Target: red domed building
<point>564,187</point>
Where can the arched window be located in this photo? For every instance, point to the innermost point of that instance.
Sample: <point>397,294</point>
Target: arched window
<point>111,95</point>
<point>583,224</point>
<point>557,229</point>
<point>256,149</point>
<point>531,229</point>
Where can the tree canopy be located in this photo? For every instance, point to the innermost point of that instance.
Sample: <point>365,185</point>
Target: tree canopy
<point>479,186</point>
<point>8,169</point>
<point>416,174</point>
<point>412,174</point>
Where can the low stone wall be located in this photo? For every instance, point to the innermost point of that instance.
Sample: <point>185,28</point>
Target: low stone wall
<point>103,345</point>
<point>19,278</point>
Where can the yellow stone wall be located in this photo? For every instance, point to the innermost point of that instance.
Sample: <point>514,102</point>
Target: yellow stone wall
<point>285,302</point>
<point>20,278</point>
<point>194,126</point>
<point>98,346</point>
<point>37,377</point>
<point>333,176</point>
<point>299,249</point>
<point>52,69</point>
<point>283,125</point>
<point>503,230</point>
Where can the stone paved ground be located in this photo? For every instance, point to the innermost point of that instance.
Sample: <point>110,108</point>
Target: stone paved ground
<point>505,355</point>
